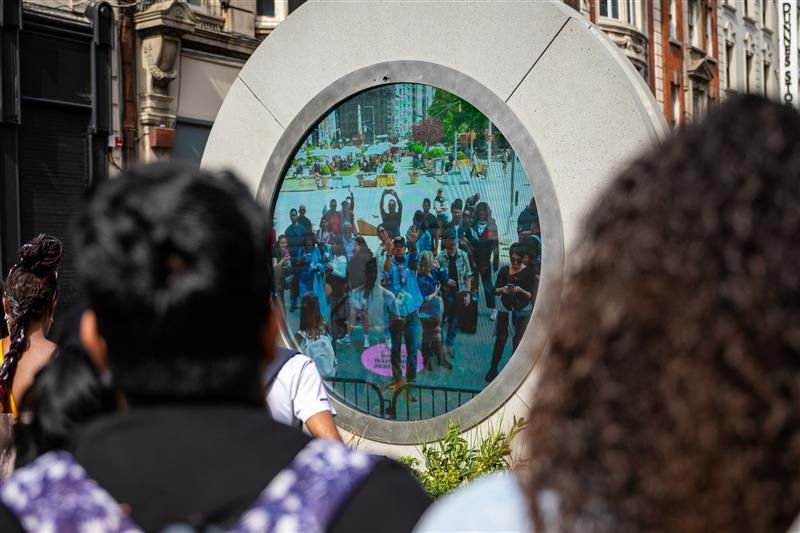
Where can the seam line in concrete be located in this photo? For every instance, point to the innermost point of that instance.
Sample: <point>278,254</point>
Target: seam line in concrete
<point>538,58</point>
<point>262,103</point>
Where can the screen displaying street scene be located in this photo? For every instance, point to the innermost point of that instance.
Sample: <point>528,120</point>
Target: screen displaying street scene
<point>407,251</point>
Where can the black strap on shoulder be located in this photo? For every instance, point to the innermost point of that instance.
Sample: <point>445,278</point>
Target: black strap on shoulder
<point>282,356</point>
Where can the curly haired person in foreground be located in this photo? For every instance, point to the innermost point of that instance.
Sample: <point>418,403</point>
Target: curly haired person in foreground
<point>677,409</point>
<point>668,399</point>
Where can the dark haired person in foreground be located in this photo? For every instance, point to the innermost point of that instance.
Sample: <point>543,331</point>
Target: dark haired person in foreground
<point>175,263</point>
<point>66,393</point>
<point>669,398</point>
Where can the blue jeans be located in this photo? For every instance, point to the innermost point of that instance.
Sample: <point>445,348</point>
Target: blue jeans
<point>405,327</point>
<point>453,304</point>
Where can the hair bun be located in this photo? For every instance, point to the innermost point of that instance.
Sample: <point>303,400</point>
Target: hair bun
<point>41,255</point>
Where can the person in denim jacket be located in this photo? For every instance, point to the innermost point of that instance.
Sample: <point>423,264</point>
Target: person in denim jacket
<point>308,262</point>
<point>399,272</point>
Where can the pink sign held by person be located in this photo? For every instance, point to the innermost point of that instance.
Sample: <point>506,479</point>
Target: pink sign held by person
<point>377,359</point>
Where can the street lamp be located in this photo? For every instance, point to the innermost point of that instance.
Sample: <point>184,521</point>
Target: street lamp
<point>364,125</point>
<point>372,109</point>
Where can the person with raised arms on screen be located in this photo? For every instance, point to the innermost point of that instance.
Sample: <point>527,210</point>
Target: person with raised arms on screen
<point>394,215</point>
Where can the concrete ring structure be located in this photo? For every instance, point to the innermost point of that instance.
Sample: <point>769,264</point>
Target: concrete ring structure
<point>571,105</point>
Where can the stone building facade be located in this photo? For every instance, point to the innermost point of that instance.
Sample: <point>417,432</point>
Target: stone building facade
<point>186,55</point>
<point>748,47</point>
<point>693,53</point>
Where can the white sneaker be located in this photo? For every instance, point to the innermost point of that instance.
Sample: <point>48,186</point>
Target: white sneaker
<point>388,343</point>
<point>343,340</point>
<point>366,342</point>
<point>493,315</point>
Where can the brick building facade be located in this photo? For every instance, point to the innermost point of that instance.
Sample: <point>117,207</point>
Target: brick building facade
<point>694,53</point>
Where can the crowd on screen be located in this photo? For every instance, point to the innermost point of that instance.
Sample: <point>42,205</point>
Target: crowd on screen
<point>428,277</point>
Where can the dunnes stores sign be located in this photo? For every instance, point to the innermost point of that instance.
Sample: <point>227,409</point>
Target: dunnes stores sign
<point>787,11</point>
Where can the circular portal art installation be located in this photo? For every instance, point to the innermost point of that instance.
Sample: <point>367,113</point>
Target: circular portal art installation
<point>416,225</point>
<point>560,97</point>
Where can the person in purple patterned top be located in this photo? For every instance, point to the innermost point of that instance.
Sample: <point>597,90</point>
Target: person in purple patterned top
<point>179,322</point>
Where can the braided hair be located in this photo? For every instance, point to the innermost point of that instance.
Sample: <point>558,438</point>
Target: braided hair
<point>29,291</point>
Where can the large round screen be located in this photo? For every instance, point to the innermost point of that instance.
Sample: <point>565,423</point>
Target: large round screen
<point>408,251</point>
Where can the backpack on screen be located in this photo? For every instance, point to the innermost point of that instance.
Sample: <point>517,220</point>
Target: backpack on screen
<point>320,350</point>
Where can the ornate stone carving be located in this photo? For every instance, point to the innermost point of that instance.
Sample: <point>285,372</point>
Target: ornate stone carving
<point>160,27</point>
<point>160,53</point>
<point>631,41</point>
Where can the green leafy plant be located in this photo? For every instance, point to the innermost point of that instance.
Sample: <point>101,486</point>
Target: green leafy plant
<point>416,148</point>
<point>461,155</point>
<point>325,170</point>
<point>388,168</point>
<point>435,153</point>
<point>452,461</point>
<point>349,171</point>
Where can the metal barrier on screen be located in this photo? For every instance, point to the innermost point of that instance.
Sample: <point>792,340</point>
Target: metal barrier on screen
<point>409,402</point>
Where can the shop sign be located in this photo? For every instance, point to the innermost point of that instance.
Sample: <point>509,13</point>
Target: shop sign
<point>787,10</point>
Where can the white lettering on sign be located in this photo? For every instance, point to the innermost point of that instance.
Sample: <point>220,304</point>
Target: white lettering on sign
<point>787,10</point>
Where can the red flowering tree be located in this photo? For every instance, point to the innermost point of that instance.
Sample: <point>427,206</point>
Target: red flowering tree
<point>427,132</point>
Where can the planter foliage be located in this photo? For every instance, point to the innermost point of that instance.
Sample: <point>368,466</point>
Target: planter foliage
<point>452,461</point>
<point>435,153</point>
<point>416,148</point>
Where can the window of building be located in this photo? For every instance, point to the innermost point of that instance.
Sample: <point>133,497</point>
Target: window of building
<point>746,8</point>
<point>729,57</point>
<point>676,106</point>
<point>709,44</point>
<point>698,102</point>
<point>265,8</point>
<point>748,70</point>
<point>764,12</point>
<point>673,20</point>
<point>609,8</point>
<point>694,30</point>
<point>630,14</point>
<point>190,139</point>
<point>765,84</point>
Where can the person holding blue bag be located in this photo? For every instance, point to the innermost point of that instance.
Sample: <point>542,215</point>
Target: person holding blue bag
<point>309,262</point>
